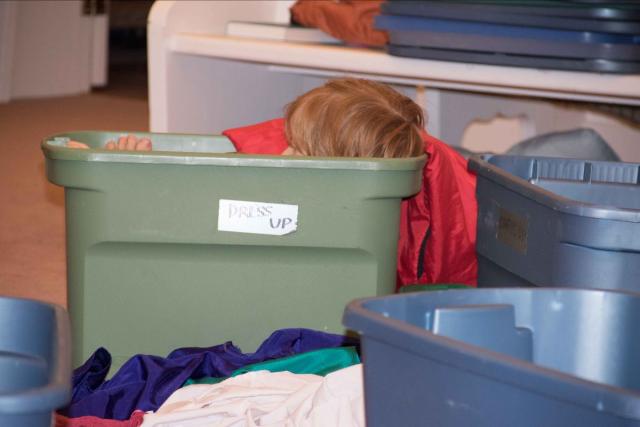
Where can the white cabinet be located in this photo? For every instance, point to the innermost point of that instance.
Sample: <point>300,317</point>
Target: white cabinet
<point>202,81</point>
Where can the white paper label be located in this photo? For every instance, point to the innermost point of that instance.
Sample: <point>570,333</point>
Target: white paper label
<point>240,216</point>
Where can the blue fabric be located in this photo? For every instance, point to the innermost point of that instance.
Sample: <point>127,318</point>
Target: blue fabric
<point>145,382</point>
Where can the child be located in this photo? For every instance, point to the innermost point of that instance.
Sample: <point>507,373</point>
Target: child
<point>360,118</point>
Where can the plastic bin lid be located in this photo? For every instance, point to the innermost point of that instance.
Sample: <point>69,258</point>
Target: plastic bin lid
<point>622,10</point>
<point>410,23</point>
<point>514,60</point>
<point>509,45</point>
<point>508,15</point>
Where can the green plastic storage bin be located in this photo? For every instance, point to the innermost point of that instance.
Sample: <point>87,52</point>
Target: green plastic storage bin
<point>151,268</point>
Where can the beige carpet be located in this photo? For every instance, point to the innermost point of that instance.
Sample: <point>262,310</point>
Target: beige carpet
<point>32,248</point>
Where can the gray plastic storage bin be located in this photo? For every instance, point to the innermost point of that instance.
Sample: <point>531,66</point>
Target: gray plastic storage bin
<point>557,222</point>
<point>35,362</point>
<point>500,357</point>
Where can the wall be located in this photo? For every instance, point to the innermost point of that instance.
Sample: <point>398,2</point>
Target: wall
<point>49,48</point>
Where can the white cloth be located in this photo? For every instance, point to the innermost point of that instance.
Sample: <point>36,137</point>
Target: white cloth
<point>264,398</point>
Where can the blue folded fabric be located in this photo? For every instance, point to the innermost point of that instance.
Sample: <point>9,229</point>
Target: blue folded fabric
<point>145,382</point>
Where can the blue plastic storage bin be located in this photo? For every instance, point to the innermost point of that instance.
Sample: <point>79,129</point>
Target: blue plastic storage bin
<point>557,222</point>
<point>35,362</point>
<point>500,357</point>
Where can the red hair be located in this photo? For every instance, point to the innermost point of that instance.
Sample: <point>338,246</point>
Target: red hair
<point>355,118</point>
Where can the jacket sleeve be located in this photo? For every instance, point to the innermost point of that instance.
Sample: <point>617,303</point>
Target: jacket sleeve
<point>438,225</point>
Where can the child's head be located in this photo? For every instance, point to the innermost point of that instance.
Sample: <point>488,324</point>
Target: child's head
<point>354,118</point>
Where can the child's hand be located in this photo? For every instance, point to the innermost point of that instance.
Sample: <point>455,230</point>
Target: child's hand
<point>129,143</point>
<point>125,143</point>
<point>76,144</point>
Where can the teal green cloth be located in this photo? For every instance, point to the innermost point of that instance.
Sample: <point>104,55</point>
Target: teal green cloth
<point>319,362</point>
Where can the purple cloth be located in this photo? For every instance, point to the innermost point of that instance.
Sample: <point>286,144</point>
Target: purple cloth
<point>145,382</point>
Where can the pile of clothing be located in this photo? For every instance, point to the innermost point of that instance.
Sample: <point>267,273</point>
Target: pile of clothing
<point>296,377</point>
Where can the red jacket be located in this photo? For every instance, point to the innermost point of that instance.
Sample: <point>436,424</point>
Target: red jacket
<point>437,225</point>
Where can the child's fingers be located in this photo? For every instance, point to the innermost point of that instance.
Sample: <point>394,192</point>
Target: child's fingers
<point>131,143</point>
<point>144,144</point>
<point>76,144</point>
<point>122,143</point>
<point>110,145</point>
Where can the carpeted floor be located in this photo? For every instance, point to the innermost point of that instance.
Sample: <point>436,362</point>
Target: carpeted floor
<point>32,242</point>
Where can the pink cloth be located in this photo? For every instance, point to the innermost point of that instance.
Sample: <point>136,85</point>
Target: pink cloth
<point>134,421</point>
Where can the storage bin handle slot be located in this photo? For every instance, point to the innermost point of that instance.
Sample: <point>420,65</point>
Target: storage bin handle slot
<point>490,326</point>
<point>582,171</point>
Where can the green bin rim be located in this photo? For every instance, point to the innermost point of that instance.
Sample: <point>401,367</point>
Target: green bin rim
<point>53,149</point>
